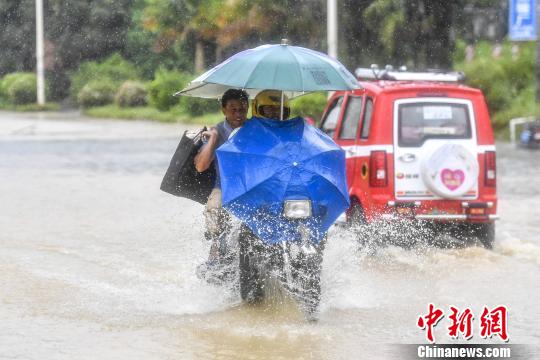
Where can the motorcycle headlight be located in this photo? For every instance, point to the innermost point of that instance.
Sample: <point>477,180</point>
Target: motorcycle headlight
<point>297,209</point>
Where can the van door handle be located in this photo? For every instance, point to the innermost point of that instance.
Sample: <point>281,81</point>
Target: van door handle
<point>407,158</point>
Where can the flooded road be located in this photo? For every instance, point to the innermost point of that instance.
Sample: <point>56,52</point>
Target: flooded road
<point>97,262</point>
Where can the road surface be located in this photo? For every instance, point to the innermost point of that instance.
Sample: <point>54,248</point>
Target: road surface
<point>97,263</point>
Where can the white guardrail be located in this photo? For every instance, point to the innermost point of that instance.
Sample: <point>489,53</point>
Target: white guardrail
<point>515,122</point>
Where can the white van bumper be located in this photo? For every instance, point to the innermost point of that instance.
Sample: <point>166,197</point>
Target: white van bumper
<point>442,217</point>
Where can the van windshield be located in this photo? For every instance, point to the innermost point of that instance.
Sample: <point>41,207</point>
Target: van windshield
<point>418,122</point>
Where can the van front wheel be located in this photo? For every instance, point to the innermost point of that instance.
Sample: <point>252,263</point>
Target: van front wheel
<point>355,215</point>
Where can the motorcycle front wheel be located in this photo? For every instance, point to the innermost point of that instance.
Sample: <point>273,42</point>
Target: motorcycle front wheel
<point>251,277</point>
<point>306,271</point>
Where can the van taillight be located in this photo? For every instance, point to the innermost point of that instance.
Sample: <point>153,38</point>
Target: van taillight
<point>378,176</point>
<point>490,168</point>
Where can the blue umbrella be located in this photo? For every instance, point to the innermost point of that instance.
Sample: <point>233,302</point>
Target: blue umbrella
<point>292,69</point>
<point>270,161</point>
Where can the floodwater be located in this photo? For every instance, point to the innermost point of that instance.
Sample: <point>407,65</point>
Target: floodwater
<point>97,263</point>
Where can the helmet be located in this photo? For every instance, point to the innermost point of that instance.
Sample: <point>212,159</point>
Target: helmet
<point>270,98</point>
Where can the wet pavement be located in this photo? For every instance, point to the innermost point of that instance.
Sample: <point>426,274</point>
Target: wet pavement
<point>97,262</point>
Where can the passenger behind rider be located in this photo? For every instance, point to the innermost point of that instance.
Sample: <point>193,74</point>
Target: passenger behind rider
<point>267,104</point>
<point>234,105</point>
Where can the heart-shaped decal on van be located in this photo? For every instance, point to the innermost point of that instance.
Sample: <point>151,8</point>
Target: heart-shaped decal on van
<point>452,179</point>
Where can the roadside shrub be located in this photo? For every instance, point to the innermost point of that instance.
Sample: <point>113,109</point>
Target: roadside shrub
<point>197,106</point>
<point>5,83</point>
<point>524,103</point>
<point>310,105</point>
<point>496,92</point>
<point>20,88</point>
<point>58,85</point>
<point>130,94</point>
<point>114,70</point>
<point>520,70</point>
<point>163,87</point>
<point>507,80</point>
<point>96,93</point>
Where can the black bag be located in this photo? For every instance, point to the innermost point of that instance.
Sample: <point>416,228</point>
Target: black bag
<point>181,178</point>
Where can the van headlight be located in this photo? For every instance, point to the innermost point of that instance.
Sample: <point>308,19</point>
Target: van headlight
<point>297,209</point>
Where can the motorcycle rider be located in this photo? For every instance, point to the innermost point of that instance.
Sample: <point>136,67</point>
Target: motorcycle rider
<point>234,105</point>
<point>267,104</point>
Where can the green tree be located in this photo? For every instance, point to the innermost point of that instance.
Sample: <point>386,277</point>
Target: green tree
<point>17,35</point>
<point>87,29</point>
<point>174,21</point>
<point>262,21</point>
<point>507,79</point>
<point>144,48</point>
<point>218,29</point>
<point>75,31</point>
<point>418,32</point>
<point>81,30</point>
<point>114,70</point>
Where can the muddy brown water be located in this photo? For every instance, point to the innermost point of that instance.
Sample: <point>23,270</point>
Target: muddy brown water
<point>97,262</point>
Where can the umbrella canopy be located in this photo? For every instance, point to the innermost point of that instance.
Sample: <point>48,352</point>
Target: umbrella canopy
<point>292,69</point>
<point>270,161</point>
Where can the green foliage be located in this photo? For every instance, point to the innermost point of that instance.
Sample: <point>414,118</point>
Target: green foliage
<point>5,83</point>
<point>522,105</point>
<point>17,35</point>
<point>130,94</point>
<point>170,33</point>
<point>132,113</point>
<point>114,70</point>
<point>416,33</point>
<point>75,31</point>
<point>165,84</point>
<point>385,17</point>
<point>310,105</point>
<point>20,88</point>
<point>173,33</point>
<point>87,29</point>
<point>197,107</point>
<point>50,106</point>
<point>507,80</point>
<point>25,91</point>
<point>148,50</point>
<point>150,113</point>
<point>168,82</point>
<point>96,93</point>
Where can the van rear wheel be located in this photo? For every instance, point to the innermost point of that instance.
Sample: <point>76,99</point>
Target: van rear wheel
<point>485,233</point>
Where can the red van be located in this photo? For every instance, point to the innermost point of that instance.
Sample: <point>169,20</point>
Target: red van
<point>418,146</point>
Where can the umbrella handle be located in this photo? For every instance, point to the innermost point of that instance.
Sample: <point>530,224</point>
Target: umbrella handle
<point>281,107</point>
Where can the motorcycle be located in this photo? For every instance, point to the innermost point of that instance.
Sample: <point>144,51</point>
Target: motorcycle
<point>296,265</point>
<point>284,181</point>
<point>249,263</point>
<point>286,190</point>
